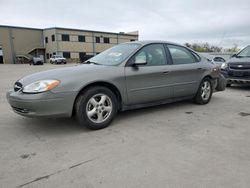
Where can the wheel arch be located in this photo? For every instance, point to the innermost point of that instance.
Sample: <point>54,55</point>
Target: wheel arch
<point>108,85</point>
<point>207,76</point>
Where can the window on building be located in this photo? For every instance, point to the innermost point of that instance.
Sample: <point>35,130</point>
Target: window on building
<point>106,40</point>
<point>53,38</point>
<point>65,37</point>
<point>47,55</point>
<point>132,40</point>
<point>46,40</point>
<point>54,53</point>
<point>81,38</point>
<point>66,55</point>
<point>97,39</point>
<point>50,55</point>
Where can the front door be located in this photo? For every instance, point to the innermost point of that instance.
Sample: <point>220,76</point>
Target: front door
<point>148,83</point>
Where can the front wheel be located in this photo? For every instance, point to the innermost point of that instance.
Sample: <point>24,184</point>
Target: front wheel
<point>96,107</point>
<point>205,92</point>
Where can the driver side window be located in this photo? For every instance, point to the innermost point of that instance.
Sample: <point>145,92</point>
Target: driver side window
<point>153,54</point>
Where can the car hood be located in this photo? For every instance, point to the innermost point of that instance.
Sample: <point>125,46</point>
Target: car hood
<point>63,74</point>
<point>239,60</point>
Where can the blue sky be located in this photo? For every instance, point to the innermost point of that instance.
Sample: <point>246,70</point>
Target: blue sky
<point>220,22</point>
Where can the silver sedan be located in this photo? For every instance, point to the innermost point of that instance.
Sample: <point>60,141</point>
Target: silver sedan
<point>126,76</point>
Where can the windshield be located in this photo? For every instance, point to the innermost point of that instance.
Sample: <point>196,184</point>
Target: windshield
<point>115,55</point>
<point>245,52</point>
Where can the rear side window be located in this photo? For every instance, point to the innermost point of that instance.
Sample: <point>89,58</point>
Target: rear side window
<point>181,55</point>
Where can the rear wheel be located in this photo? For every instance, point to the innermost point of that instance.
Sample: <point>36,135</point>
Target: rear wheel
<point>228,85</point>
<point>96,107</point>
<point>205,92</point>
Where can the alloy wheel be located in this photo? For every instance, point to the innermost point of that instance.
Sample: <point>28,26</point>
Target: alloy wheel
<point>206,90</point>
<point>99,108</point>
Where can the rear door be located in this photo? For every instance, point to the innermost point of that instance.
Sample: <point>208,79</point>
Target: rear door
<point>186,70</point>
<point>148,83</point>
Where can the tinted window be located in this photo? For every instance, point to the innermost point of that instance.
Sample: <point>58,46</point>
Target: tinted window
<point>81,38</point>
<point>153,54</point>
<point>65,37</point>
<point>66,55</point>
<point>197,57</point>
<point>181,55</point>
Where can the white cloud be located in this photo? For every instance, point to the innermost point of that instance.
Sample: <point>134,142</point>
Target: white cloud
<point>216,21</point>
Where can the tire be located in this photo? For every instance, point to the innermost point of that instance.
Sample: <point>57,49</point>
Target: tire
<point>51,62</point>
<point>96,107</point>
<point>55,62</point>
<point>205,92</point>
<point>228,85</point>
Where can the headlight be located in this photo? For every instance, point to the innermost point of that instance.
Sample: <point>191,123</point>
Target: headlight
<point>41,86</point>
<point>224,66</point>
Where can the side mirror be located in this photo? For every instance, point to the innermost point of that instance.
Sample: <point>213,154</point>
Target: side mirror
<point>140,61</point>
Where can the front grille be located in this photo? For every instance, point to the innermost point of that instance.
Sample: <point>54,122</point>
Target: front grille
<point>239,66</point>
<point>239,73</point>
<point>18,87</point>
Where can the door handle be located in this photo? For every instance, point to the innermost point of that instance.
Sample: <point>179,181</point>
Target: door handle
<point>166,72</point>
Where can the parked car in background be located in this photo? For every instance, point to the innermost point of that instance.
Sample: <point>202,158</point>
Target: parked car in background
<point>237,69</point>
<point>36,61</point>
<point>57,59</point>
<point>127,76</point>
<point>218,60</point>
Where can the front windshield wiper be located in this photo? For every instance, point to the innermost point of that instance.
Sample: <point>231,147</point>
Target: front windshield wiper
<point>91,62</point>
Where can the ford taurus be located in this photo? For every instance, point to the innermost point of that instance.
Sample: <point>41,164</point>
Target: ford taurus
<point>127,76</point>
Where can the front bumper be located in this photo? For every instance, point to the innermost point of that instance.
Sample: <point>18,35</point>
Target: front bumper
<point>45,104</point>
<point>236,77</point>
<point>220,83</point>
<point>61,61</point>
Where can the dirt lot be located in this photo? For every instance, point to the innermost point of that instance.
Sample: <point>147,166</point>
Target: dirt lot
<point>176,145</point>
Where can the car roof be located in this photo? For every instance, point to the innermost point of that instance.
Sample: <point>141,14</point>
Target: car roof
<point>145,42</point>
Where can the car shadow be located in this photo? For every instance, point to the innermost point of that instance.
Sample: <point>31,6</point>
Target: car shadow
<point>57,126</point>
<point>142,112</point>
<point>240,87</point>
<point>64,126</point>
